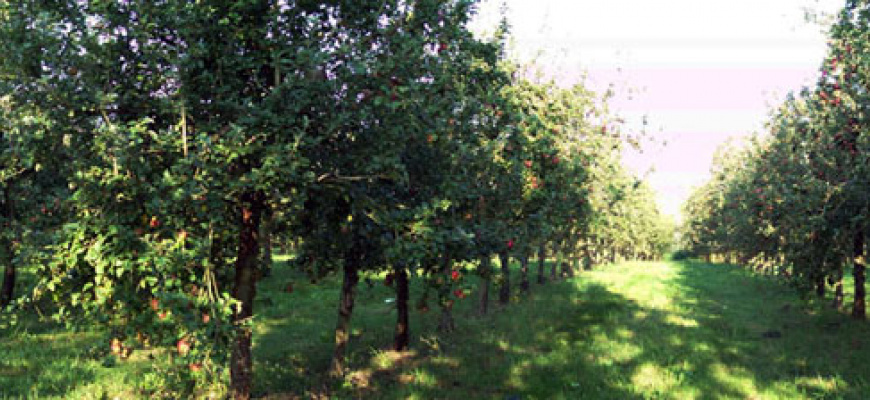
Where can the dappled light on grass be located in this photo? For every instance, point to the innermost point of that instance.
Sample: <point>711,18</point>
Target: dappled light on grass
<point>640,330</point>
<point>652,378</point>
<point>680,320</point>
<point>66,364</point>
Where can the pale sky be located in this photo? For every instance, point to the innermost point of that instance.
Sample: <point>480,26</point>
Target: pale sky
<point>700,71</point>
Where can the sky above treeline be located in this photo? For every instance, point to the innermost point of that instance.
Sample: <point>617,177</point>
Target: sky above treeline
<point>699,73</point>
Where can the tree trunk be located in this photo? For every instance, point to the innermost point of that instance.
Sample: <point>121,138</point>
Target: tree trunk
<point>245,290</point>
<point>504,293</point>
<point>554,267</point>
<point>446,323</point>
<point>485,275</point>
<point>542,258</point>
<point>8,289</point>
<point>859,308</point>
<point>567,263</point>
<point>820,287</point>
<point>574,266</point>
<point>6,257</point>
<point>524,272</point>
<point>401,340</point>
<point>266,245</point>
<point>574,263</point>
<point>838,291</point>
<point>587,258</point>
<point>567,270</point>
<point>345,310</point>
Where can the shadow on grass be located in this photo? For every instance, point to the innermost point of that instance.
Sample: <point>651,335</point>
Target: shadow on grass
<point>597,344</point>
<point>506,354</point>
<point>697,331</point>
<point>785,346</point>
<point>47,365</point>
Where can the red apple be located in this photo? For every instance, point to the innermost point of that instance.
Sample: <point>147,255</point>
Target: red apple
<point>183,346</point>
<point>528,163</point>
<point>194,367</point>
<point>155,304</point>
<point>154,223</point>
<point>455,275</point>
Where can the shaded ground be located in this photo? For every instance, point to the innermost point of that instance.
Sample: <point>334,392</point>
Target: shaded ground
<point>634,330</point>
<point>673,330</point>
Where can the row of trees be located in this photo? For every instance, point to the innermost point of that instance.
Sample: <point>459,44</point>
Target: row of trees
<point>795,201</point>
<point>153,151</point>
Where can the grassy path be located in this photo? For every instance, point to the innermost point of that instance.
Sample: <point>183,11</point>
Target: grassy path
<point>681,330</point>
<point>634,330</point>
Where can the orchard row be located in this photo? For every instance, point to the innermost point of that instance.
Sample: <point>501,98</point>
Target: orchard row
<point>152,152</point>
<point>796,202</point>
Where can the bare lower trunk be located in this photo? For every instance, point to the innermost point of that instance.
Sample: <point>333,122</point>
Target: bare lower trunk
<point>587,258</point>
<point>446,323</point>
<point>820,287</point>
<point>6,257</point>
<point>504,293</point>
<point>574,263</point>
<point>524,272</point>
<point>402,337</point>
<point>838,291</point>
<point>568,264</point>
<point>859,308</point>
<point>345,310</point>
<point>542,259</point>
<point>266,245</point>
<point>241,363</point>
<point>8,290</point>
<point>485,274</point>
<point>554,267</point>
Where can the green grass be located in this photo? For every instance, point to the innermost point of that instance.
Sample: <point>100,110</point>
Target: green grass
<point>634,330</point>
